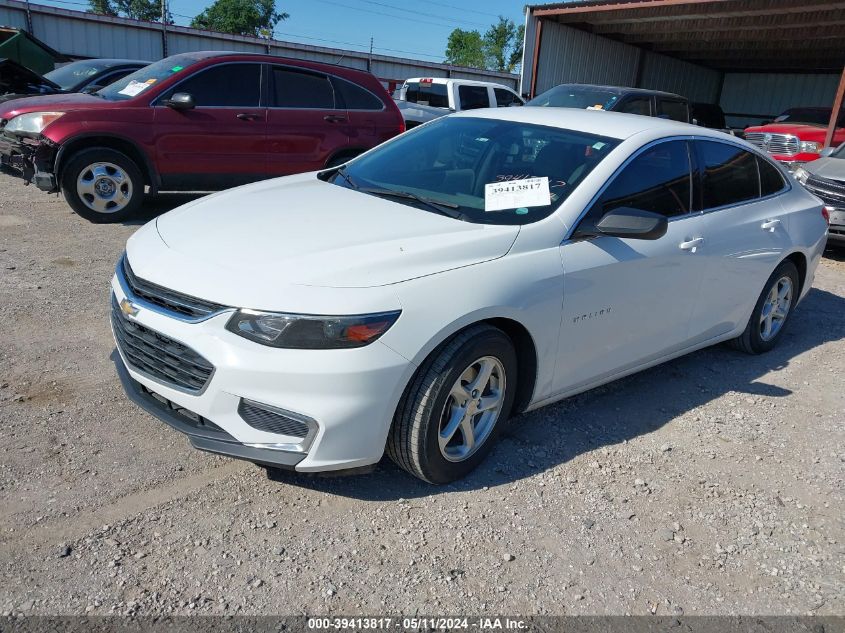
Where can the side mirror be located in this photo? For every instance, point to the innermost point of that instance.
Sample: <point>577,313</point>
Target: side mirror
<point>180,101</point>
<point>827,151</point>
<point>631,223</point>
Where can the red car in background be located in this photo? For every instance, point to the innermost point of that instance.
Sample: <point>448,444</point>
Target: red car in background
<point>194,122</point>
<point>797,136</point>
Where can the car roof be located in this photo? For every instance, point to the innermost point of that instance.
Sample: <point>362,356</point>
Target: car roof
<point>624,90</point>
<point>603,123</point>
<point>466,82</point>
<point>112,61</point>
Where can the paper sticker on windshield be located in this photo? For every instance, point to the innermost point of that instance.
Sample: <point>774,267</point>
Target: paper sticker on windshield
<point>134,88</point>
<point>528,192</point>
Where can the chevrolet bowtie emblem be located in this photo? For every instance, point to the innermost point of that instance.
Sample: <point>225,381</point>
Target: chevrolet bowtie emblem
<point>128,308</point>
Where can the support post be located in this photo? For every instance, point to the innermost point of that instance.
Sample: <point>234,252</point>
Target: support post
<point>536,60</point>
<point>164,28</point>
<point>837,108</point>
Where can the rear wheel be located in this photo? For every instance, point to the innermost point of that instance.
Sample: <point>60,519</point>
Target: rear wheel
<point>455,406</point>
<point>103,185</point>
<point>772,311</point>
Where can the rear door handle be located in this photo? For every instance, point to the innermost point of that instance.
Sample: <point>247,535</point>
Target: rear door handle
<point>691,245</point>
<point>770,225</point>
<point>247,116</point>
<point>333,118</point>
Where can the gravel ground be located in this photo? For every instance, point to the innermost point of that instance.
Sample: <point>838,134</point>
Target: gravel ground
<point>710,485</point>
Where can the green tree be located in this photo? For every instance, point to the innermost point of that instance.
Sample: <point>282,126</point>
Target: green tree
<point>465,48</point>
<point>138,9</point>
<point>503,45</point>
<point>240,17</point>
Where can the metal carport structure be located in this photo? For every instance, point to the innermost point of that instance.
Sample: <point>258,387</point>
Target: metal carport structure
<point>753,57</point>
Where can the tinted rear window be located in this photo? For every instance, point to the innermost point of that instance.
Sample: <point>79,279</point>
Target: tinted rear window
<point>771,180</point>
<point>729,174</point>
<point>298,89</point>
<point>473,97</point>
<point>425,93</point>
<point>355,97</point>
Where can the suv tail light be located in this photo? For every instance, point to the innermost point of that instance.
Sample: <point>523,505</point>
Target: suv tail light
<point>826,214</point>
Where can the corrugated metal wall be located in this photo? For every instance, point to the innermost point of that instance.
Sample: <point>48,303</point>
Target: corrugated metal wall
<point>768,94</point>
<point>79,34</point>
<point>570,55</point>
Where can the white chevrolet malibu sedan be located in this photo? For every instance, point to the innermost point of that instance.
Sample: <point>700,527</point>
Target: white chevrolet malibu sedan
<point>482,265</point>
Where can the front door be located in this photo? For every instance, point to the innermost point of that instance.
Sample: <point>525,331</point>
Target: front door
<point>306,123</point>
<point>629,301</point>
<point>222,141</point>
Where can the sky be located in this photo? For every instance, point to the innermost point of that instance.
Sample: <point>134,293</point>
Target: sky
<point>416,29</point>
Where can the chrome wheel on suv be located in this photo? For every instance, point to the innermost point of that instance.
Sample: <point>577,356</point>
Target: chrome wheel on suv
<point>104,188</point>
<point>102,184</point>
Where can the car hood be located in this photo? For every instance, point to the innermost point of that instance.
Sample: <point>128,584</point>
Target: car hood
<point>803,131</point>
<point>303,231</point>
<point>20,80</point>
<point>831,168</point>
<point>59,102</point>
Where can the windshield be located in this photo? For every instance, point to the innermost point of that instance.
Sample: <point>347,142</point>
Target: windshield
<point>70,76</point>
<point>813,116</point>
<point>143,79</point>
<point>573,96</point>
<point>479,170</point>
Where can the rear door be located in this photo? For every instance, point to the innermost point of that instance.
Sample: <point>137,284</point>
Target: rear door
<point>306,121</point>
<point>221,142</point>
<point>369,122</point>
<point>746,233</point>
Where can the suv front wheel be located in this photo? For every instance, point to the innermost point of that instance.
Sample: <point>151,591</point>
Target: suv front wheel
<point>103,185</point>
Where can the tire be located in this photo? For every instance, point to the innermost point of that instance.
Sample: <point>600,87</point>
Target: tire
<point>754,339</point>
<point>429,405</point>
<point>337,161</point>
<point>103,185</point>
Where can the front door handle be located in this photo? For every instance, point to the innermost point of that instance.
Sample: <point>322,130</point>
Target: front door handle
<point>770,225</point>
<point>334,118</point>
<point>247,116</point>
<point>691,245</point>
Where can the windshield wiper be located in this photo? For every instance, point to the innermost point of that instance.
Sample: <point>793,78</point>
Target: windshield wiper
<point>440,206</point>
<point>340,172</point>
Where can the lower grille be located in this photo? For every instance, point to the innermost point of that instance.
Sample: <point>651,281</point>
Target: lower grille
<point>782,144</point>
<point>832,192</point>
<point>273,422</point>
<point>159,357</point>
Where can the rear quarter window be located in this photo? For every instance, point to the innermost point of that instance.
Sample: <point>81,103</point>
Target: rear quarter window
<point>771,180</point>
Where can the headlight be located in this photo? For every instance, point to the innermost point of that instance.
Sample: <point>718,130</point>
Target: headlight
<point>801,175</point>
<point>810,147</point>
<point>307,331</point>
<point>33,123</point>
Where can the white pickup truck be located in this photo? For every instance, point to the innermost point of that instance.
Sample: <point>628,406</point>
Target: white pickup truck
<point>423,99</point>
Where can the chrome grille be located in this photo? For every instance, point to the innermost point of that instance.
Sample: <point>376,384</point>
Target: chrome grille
<point>832,192</point>
<point>782,144</point>
<point>181,304</point>
<point>158,356</point>
<point>273,422</point>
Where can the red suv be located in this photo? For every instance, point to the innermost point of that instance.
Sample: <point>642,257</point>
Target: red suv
<point>194,122</point>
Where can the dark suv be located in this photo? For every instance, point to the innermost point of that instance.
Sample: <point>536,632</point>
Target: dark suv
<point>194,122</point>
<point>665,105</point>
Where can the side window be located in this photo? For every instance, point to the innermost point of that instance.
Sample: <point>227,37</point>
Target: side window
<point>729,174</point>
<point>771,180</point>
<point>300,89</point>
<point>228,85</point>
<point>658,180</point>
<point>505,97</point>
<point>355,97</point>
<point>473,97</point>
<point>636,105</point>
<point>674,110</point>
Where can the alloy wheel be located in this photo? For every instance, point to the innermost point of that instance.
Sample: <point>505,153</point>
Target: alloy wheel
<point>104,187</point>
<point>472,409</point>
<point>776,308</point>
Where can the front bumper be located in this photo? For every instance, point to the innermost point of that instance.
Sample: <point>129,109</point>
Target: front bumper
<point>836,230</point>
<point>349,394</point>
<point>31,158</point>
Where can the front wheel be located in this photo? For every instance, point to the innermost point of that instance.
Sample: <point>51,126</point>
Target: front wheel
<point>455,406</point>
<point>771,312</point>
<point>103,185</point>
